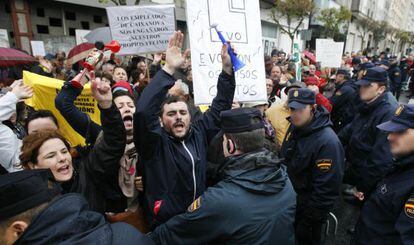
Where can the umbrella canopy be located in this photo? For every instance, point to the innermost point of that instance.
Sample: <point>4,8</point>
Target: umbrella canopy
<point>80,52</point>
<point>12,57</point>
<point>102,34</point>
<point>310,56</point>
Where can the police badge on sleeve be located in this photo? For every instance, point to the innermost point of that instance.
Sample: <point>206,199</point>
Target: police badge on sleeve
<point>409,208</point>
<point>324,165</point>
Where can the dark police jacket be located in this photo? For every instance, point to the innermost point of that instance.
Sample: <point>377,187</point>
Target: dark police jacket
<point>368,150</point>
<point>387,217</point>
<point>394,74</point>
<point>315,161</point>
<point>175,169</point>
<point>68,220</point>
<point>254,203</point>
<point>343,101</point>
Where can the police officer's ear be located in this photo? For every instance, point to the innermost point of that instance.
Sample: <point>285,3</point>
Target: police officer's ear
<point>231,147</point>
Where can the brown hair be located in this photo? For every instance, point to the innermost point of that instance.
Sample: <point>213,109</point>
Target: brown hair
<point>32,143</point>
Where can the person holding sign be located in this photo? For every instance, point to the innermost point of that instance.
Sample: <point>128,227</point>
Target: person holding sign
<point>173,149</point>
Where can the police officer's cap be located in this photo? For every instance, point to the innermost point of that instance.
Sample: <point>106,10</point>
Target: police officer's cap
<point>356,61</point>
<point>300,98</point>
<point>384,63</point>
<point>24,190</point>
<point>375,74</point>
<point>403,119</point>
<point>241,120</point>
<point>342,71</point>
<point>366,65</point>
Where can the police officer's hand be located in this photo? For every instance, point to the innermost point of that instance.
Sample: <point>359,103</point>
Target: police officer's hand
<point>359,195</point>
<point>173,57</point>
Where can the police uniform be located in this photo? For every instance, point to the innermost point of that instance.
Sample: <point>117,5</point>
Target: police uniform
<point>367,148</point>
<point>387,217</point>
<point>343,102</point>
<point>394,74</point>
<point>253,203</point>
<point>314,158</point>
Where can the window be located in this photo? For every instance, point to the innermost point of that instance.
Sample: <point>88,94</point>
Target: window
<point>85,25</point>
<point>70,15</point>
<point>97,19</point>
<point>41,29</point>
<point>40,12</point>
<point>55,22</point>
<point>72,32</point>
<point>7,8</point>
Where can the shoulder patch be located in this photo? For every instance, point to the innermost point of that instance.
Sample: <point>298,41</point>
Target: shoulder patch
<point>399,110</point>
<point>397,74</point>
<point>324,165</point>
<point>339,93</point>
<point>195,205</point>
<point>409,208</point>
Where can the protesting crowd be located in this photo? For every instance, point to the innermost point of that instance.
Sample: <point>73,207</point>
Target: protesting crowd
<point>159,169</point>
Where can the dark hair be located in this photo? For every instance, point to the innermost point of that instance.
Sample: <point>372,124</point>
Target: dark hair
<point>249,141</point>
<point>120,93</point>
<point>40,114</point>
<point>106,75</point>
<point>171,99</point>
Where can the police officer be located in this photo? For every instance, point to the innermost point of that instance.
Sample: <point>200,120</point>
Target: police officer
<point>394,74</point>
<point>253,203</point>
<point>356,61</point>
<point>387,217</point>
<point>343,100</point>
<point>367,147</point>
<point>32,211</point>
<point>314,158</point>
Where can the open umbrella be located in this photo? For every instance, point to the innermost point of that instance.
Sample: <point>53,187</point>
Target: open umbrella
<point>12,57</point>
<point>101,34</point>
<point>80,52</point>
<point>310,56</point>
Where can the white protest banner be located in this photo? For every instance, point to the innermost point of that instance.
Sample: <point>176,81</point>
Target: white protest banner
<point>142,29</point>
<point>4,39</point>
<point>38,48</point>
<point>80,36</point>
<point>329,53</point>
<point>240,24</point>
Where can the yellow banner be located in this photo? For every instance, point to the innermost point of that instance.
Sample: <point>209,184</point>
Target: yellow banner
<point>45,91</point>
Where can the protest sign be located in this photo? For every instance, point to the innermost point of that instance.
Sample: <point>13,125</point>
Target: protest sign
<point>240,24</point>
<point>80,36</point>
<point>45,91</point>
<point>329,53</point>
<point>4,39</point>
<point>38,48</point>
<point>142,29</point>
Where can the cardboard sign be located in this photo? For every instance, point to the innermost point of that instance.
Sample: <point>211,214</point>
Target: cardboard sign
<point>80,36</point>
<point>240,24</point>
<point>329,53</point>
<point>38,48</point>
<point>142,29</point>
<point>4,39</point>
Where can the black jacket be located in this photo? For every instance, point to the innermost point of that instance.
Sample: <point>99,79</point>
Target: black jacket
<point>175,170</point>
<point>368,150</point>
<point>68,220</point>
<point>315,162</point>
<point>344,101</point>
<point>254,203</point>
<point>96,174</point>
<point>79,121</point>
<point>387,217</point>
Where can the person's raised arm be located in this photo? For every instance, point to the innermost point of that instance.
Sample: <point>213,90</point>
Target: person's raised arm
<point>226,86</point>
<point>146,118</point>
<point>78,120</point>
<point>103,159</point>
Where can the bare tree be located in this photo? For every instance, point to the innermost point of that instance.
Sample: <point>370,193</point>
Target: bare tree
<point>295,12</point>
<point>333,19</point>
<point>364,26</point>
